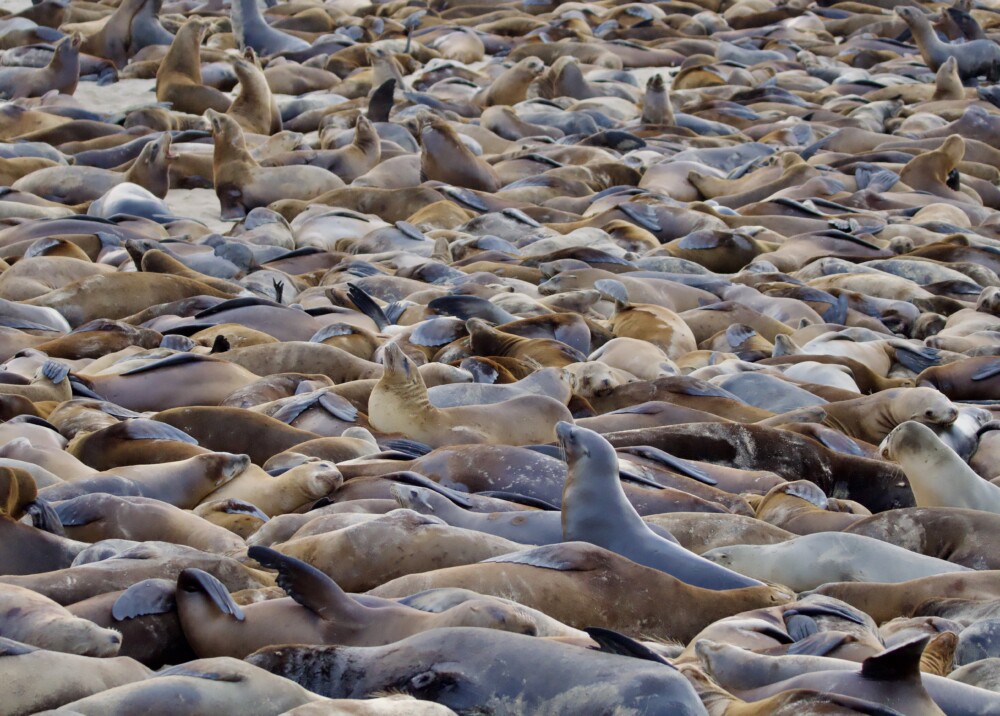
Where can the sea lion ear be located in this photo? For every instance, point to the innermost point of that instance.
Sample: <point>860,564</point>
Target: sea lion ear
<point>900,662</point>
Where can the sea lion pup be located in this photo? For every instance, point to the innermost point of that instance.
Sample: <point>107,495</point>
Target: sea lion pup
<point>242,184</point>
<point>348,162</point>
<point>444,158</point>
<point>61,74</point>
<point>318,611</point>
<point>657,324</point>
<point>32,618</point>
<point>399,404</point>
<point>78,184</point>
<point>975,58</point>
<point>595,509</point>
<point>512,85</point>
<point>485,340</point>
<point>178,79</point>
<point>254,108</point>
<point>937,475</point>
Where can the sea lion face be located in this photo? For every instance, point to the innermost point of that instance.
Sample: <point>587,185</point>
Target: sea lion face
<point>493,615</point>
<point>411,497</point>
<point>397,364</point>
<point>989,301</point>
<point>926,405</point>
<point>902,438</point>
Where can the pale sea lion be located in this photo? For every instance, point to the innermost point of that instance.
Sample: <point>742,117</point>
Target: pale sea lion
<point>399,404</point>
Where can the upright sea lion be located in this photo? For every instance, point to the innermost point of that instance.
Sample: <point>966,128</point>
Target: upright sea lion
<point>178,78</point>
<point>242,184</point>
<point>61,74</point>
<point>399,404</point>
<point>937,475</point>
<point>595,509</point>
<point>254,108</point>
<point>975,58</point>
<point>443,157</point>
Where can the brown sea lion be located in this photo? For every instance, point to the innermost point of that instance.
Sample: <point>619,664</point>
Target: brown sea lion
<point>178,78</point>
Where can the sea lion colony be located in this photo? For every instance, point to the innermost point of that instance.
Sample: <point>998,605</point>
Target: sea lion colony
<point>535,357</point>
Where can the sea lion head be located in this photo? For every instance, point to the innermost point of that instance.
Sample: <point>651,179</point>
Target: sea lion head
<point>924,405</point>
<point>398,366</point>
<point>411,497</point>
<point>989,301</point>
<point>490,614</point>
<point>904,437</point>
<point>586,450</point>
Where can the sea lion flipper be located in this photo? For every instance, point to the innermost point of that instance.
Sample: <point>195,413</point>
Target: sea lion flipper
<point>150,596</point>
<point>143,429</point>
<point>801,627</point>
<point>366,304</point>
<point>234,506</point>
<point>914,358</point>
<point>171,360</point>
<point>987,371</point>
<point>466,307</point>
<point>196,580</point>
<point>408,447</point>
<point>614,291</point>
<point>79,511</point>
<point>899,662</point>
<point>44,517</point>
<point>435,332</point>
<point>307,585</point>
<point>380,101</point>
<point>819,644</point>
<point>55,371</point>
<point>613,642</point>
<point>674,463</point>
<point>186,670</point>
<point>9,647</point>
<point>564,557</point>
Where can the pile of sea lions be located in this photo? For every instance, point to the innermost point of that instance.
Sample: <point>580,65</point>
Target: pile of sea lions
<point>507,357</point>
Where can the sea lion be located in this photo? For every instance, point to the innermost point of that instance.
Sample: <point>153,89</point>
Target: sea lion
<point>443,157</point>
<point>575,581</point>
<point>254,109</point>
<point>937,475</point>
<point>975,58</point>
<point>178,77</point>
<point>399,404</point>
<point>595,509</point>
<point>316,611</point>
<point>77,676</point>
<point>364,555</point>
<point>201,687</point>
<point>61,74</point>
<point>872,417</point>
<point>545,675</point>
<point>242,184</point>
<point>836,558</point>
<point>34,619</point>
<point>75,185</point>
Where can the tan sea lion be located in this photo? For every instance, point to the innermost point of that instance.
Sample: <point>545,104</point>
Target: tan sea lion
<point>399,404</point>
<point>254,108</point>
<point>443,157</point>
<point>574,581</point>
<point>178,78</point>
<point>34,619</point>
<point>242,184</point>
